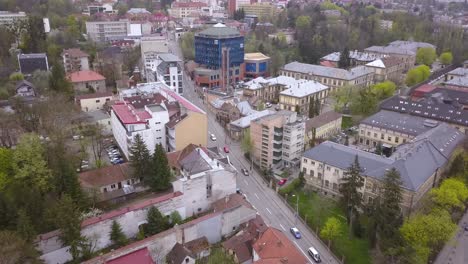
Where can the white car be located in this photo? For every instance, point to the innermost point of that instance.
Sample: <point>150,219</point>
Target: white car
<point>268,105</point>
<point>213,137</point>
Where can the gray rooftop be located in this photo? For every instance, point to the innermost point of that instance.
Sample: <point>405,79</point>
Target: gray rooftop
<point>403,123</point>
<point>416,161</point>
<point>354,54</point>
<point>329,72</point>
<point>322,119</point>
<point>219,31</point>
<point>401,47</point>
<point>458,81</point>
<point>244,122</point>
<point>32,55</point>
<point>459,71</point>
<point>156,108</point>
<point>168,57</point>
<point>194,163</point>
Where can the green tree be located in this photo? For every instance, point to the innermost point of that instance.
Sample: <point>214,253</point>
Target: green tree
<point>344,62</point>
<point>446,58</point>
<point>457,166</point>
<point>247,145</point>
<point>33,40</point>
<point>67,217</point>
<point>311,108</point>
<point>425,233</point>
<point>187,45</point>
<point>40,79</point>
<point>452,194</point>
<point>426,56</point>
<point>156,222</point>
<point>24,227</point>
<point>6,168</point>
<point>175,218</point>
<point>116,235</point>
<point>160,173</point>
<point>383,90</point>
<point>29,165</point>
<point>57,80</point>
<point>332,229</point>
<point>365,103</point>
<point>302,26</point>
<point>14,249</point>
<point>140,159</point>
<point>16,76</point>
<point>351,199</point>
<point>389,212</point>
<point>417,75</point>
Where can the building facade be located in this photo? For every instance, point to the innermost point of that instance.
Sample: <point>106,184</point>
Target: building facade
<point>323,126</point>
<point>75,60</point>
<point>104,31</point>
<point>167,68</point>
<point>256,65</point>
<point>28,63</point>
<point>186,9</point>
<point>220,52</point>
<point>94,101</point>
<point>87,81</point>
<point>388,68</point>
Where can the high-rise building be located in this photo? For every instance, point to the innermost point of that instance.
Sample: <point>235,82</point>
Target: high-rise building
<point>220,52</point>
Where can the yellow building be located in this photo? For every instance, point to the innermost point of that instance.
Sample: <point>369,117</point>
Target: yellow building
<point>266,10</point>
<point>94,101</point>
<point>191,128</point>
<point>324,125</point>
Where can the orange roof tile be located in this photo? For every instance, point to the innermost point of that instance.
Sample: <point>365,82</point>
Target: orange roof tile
<point>85,76</point>
<point>274,247</point>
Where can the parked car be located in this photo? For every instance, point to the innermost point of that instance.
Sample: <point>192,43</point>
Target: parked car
<point>238,191</point>
<point>245,172</point>
<point>226,149</point>
<point>268,105</point>
<point>213,137</point>
<point>314,254</point>
<point>295,232</point>
<point>282,182</point>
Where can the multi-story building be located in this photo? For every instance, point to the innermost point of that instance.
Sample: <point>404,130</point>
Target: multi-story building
<point>105,8</point>
<point>256,64</point>
<point>421,163</point>
<point>28,63</point>
<point>104,31</point>
<point>388,68</point>
<point>186,9</point>
<point>278,139</point>
<point>150,47</point>
<point>220,52</point>
<point>166,68</point>
<point>434,107</point>
<point>169,120</point>
<point>405,50</point>
<point>234,5</point>
<point>87,81</point>
<point>261,10</point>
<point>291,94</point>
<point>93,101</point>
<point>8,18</point>
<point>332,77</point>
<point>323,126</point>
<point>75,60</point>
<point>391,129</point>
<point>356,58</point>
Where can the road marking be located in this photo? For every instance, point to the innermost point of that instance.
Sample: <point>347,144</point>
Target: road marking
<point>282,227</point>
<point>246,183</point>
<point>307,256</point>
<point>256,196</point>
<point>269,211</point>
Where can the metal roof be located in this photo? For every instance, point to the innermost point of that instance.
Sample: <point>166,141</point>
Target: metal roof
<point>398,122</point>
<point>329,72</point>
<point>219,31</point>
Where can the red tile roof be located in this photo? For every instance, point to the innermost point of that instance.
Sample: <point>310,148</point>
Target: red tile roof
<point>128,115</point>
<point>85,76</point>
<point>274,247</point>
<point>327,64</point>
<point>105,176</point>
<point>186,103</point>
<point>93,95</point>
<point>141,256</point>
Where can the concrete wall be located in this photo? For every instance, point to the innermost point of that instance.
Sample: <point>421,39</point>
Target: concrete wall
<point>185,134</point>
<point>98,86</point>
<point>93,104</point>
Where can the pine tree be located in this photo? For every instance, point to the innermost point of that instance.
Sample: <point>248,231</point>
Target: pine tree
<point>140,160</point>
<point>317,106</point>
<point>344,61</point>
<point>156,222</point>
<point>161,173</point>
<point>116,235</point>
<point>389,217</point>
<point>311,108</point>
<point>351,199</point>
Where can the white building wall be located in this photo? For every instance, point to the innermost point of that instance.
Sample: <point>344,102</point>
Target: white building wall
<point>84,63</point>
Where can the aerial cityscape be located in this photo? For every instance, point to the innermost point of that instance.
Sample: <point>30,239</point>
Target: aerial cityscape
<point>233,131</point>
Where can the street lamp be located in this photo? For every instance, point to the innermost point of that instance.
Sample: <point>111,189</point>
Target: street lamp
<point>297,208</point>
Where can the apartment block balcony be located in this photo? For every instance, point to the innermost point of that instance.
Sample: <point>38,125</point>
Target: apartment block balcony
<point>277,146</point>
<point>277,153</point>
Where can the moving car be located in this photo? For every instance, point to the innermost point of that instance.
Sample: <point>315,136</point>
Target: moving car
<point>245,172</point>
<point>295,232</point>
<point>213,137</point>
<point>226,149</point>
<point>282,182</point>
<point>314,254</point>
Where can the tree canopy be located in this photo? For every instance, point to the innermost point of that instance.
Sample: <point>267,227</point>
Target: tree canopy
<point>417,75</point>
<point>426,56</point>
<point>446,58</point>
<point>451,194</point>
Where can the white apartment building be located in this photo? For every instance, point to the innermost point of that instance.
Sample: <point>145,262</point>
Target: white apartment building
<point>149,123</point>
<point>166,68</point>
<point>7,18</point>
<point>75,60</point>
<point>186,9</point>
<point>103,31</point>
<point>150,47</point>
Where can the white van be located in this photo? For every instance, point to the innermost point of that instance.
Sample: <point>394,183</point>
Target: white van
<point>314,254</point>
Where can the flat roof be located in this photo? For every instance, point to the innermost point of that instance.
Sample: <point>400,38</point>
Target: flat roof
<point>255,56</point>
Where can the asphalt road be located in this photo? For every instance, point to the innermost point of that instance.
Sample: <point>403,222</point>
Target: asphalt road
<point>455,251</point>
<point>265,200</point>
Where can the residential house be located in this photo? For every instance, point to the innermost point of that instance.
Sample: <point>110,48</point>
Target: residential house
<point>180,255</point>
<point>332,77</point>
<point>142,256</point>
<point>104,31</point>
<point>29,63</point>
<point>25,89</point>
<point>111,183</point>
<point>323,126</point>
<point>458,72</point>
<point>260,9</point>
<point>388,68</point>
<point>420,162</point>
<point>227,112</point>
<point>87,81</point>
<point>279,139</point>
<point>434,107</point>
<point>93,101</point>
<point>75,60</point>
<point>199,247</point>
<point>465,64</point>
<point>391,129</point>
<point>273,246</point>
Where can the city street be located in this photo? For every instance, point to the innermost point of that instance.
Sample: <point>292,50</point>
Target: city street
<point>265,200</point>
<point>454,251</point>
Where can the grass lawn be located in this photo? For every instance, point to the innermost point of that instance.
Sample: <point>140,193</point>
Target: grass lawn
<point>317,210</point>
<point>217,256</point>
<point>347,121</point>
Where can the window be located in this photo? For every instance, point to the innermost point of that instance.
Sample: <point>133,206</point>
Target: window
<point>362,132</point>
<point>389,138</point>
<point>305,161</point>
<point>382,136</point>
<point>113,186</point>
<point>319,175</point>
<point>105,189</point>
<point>397,139</point>
<point>361,140</point>
<point>328,168</point>
<point>368,133</point>
<point>327,183</point>
<point>337,171</point>
<point>404,140</point>
<point>313,163</point>
<point>304,170</point>
<point>335,186</point>
<point>98,101</point>
<point>375,135</point>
